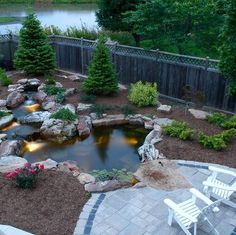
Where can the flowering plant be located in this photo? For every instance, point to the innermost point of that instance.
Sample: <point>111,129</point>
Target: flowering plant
<point>26,176</point>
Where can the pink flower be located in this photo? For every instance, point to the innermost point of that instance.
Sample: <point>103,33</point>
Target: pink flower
<point>27,165</point>
<point>33,172</point>
<point>41,167</point>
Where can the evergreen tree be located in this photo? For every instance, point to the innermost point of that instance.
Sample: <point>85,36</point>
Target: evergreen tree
<point>102,79</point>
<point>228,48</point>
<point>34,55</point>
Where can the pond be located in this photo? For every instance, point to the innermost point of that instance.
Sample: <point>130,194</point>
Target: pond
<point>61,15</point>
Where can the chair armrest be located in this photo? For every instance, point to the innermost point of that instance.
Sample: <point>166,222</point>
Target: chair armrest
<point>227,188</point>
<point>201,196</point>
<point>178,210</point>
<point>222,170</point>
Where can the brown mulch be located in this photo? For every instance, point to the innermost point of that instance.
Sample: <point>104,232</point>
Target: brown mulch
<point>52,208</point>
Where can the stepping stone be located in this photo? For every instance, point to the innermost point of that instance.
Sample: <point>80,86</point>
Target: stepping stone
<point>199,114</point>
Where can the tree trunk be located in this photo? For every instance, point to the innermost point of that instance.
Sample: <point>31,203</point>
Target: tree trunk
<point>137,39</point>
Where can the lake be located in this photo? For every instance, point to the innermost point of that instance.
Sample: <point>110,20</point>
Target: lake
<point>61,15</point>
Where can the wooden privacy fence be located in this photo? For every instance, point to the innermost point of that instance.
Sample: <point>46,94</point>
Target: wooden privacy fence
<point>172,72</point>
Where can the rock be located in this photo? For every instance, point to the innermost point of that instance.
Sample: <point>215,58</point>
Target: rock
<point>70,165</point>
<point>50,105</point>
<point>162,121</point>
<point>3,137</point>
<point>74,78</point>
<point>199,114</point>
<point>16,87</point>
<point>154,136</point>
<point>14,99</point>
<point>164,108</point>
<point>148,125</point>
<point>35,117</point>
<point>3,103</point>
<point>122,87</point>
<point>110,120</point>
<point>85,178</point>
<point>10,147</point>
<point>109,185</point>
<point>83,107</point>
<point>57,130</point>
<point>71,107</point>
<point>40,96</point>
<point>10,163</point>
<point>6,120</point>
<point>136,120</point>
<point>48,164</point>
<point>84,126</point>
<point>70,91</point>
<point>22,81</point>
<point>93,116</point>
<point>148,152</point>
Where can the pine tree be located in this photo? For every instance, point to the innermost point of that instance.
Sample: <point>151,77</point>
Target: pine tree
<point>34,55</point>
<point>228,48</point>
<point>102,79</point>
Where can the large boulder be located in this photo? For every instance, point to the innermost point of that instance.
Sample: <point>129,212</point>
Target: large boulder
<point>57,130</point>
<point>6,120</point>
<point>148,152</point>
<point>164,108</point>
<point>10,147</point>
<point>40,96</point>
<point>84,126</point>
<point>48,164</point>
<point>85,178</point>
<point>111,120</point>
<point>154,136</point>
<point>35,117</point>
<point>14,99</point>
<point>199,114</point>
<point>10,163</point>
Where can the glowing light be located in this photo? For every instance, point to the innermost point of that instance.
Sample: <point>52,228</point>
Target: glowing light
<point>32,108</point>
<point>131,141</point>
<point>12,125</point>
<point>33,146</point>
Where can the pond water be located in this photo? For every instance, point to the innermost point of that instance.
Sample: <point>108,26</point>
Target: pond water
<point>105,148</point>
<point>61,15</point>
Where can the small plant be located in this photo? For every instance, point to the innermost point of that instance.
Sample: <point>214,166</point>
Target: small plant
<point>128,110</point>
<point>4,114</point>
<point>50,80</point>
<point>230,123</point>
<point>4,79</point>
<point>121,175</point>
<point>25,177</point>
<point>89,99</point>
<point>217,118</point>
<point>179,130</point>
<point>98,109</point>
<point>53,90</point>
<point>64,114</point>
<point>60,97</point>
<point>143,94</point>
<point>218,141</point>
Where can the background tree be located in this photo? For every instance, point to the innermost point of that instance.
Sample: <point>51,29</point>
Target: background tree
<point>228,47</point>
<point>102,79</point>
<point>34,54</point>
<point>110,15</point>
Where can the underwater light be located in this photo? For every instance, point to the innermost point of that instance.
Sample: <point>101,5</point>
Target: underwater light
<point>33,146</point>
<point>32,108</point>
<point>131,140</point>
<point>9,127</point>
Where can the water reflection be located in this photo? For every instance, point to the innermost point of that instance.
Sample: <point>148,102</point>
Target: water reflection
<point>11,126</point>
<point>32,108</point>
<point>105,148</point>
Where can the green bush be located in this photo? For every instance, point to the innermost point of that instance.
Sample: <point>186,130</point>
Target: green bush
<point>4,79</point>
<point>143,94</point>
<point>218,141</point>
<point>217,118</point>
<point>60,97</point>
<point>179,130</point>
<point>4,114</point>
<point>50,80</point>
<point>64,114</point>
<point>53,90</point>
<point>98,109</point>
<point>102,79</point>
<point>121,175</point>
<point>230,123</point>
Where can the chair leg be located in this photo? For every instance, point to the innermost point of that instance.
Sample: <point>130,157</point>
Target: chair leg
<point>215,231</point>
<point>170,217</point>
<point>195,229</point>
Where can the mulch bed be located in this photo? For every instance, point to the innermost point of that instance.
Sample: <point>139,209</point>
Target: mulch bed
<point>52,208</point>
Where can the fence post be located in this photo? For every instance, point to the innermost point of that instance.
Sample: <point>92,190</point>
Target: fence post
<point>207,62</point>
<point>157,54</point>
<point>82,55</point>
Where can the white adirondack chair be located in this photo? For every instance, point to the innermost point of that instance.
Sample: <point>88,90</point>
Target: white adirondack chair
<point>187,214</point>
<point>219,190</point>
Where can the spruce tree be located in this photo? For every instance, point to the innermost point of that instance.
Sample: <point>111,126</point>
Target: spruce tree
<point>34,55</point>
<point>228,48</point>
<point>102,79</point>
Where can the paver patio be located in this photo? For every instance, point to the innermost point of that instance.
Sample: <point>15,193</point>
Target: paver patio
<point>142,211</point>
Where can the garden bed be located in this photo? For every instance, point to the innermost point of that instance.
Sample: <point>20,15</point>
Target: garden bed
<point>53,207</point>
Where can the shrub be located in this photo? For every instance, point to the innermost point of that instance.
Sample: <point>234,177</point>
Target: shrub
<point>25,177</point>
<point>50,80</point>
<point>102,79</point>
<point>143,94</point>
<point>64,114</point>
<point>218,141</point>
<point>121,175</point>
<point>217,118</point>
<point>4,114</point>
<point>88,99</point>
<point>179,130</point>
<point>128,110</point>
<point>4,79</point>
<point>230,123</point>
<point>98,109</point>
<point>53,90</point>
<point>34,55</point>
